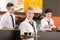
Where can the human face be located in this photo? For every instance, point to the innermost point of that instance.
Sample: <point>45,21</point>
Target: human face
<point>11,10</point>
<point>30,14</point>
<point>48,15</point>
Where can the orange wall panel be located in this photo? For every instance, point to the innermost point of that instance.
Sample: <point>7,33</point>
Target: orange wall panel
<point>56,21</point>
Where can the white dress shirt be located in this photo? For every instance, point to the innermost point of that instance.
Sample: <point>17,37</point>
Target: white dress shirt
<point>6,20</point>
<point>44,22</point>
<point>25,26</point>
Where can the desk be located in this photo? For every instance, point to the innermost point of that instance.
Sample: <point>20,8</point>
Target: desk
<point>15,35</point>
<point>49,35</point>
<point>10,35</point>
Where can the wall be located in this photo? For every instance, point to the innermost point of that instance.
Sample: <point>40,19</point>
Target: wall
<point>55,6</point>
<point>52,4</point>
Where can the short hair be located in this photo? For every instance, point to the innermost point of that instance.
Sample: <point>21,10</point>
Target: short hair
<point>29,8</point>
<point>9,5</point>
<point>48,10</point>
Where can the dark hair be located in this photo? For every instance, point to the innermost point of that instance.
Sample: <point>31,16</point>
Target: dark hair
<point>9,5</point>
<point>29,8</point>
<point>48,10</point>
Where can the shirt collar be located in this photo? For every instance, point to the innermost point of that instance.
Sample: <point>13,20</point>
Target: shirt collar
<point>28,20</point>
<point>47,18</point>
<point>9,13</point>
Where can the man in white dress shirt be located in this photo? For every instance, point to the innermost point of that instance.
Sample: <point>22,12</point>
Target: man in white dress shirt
<point>47,23</point>
<point>8,19</point>
<point>28,25</point>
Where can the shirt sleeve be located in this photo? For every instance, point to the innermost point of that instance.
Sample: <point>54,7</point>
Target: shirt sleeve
<point>22,28</point>
<point>2,22</point>
<point>43,23</point>
<point>52,22</point>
